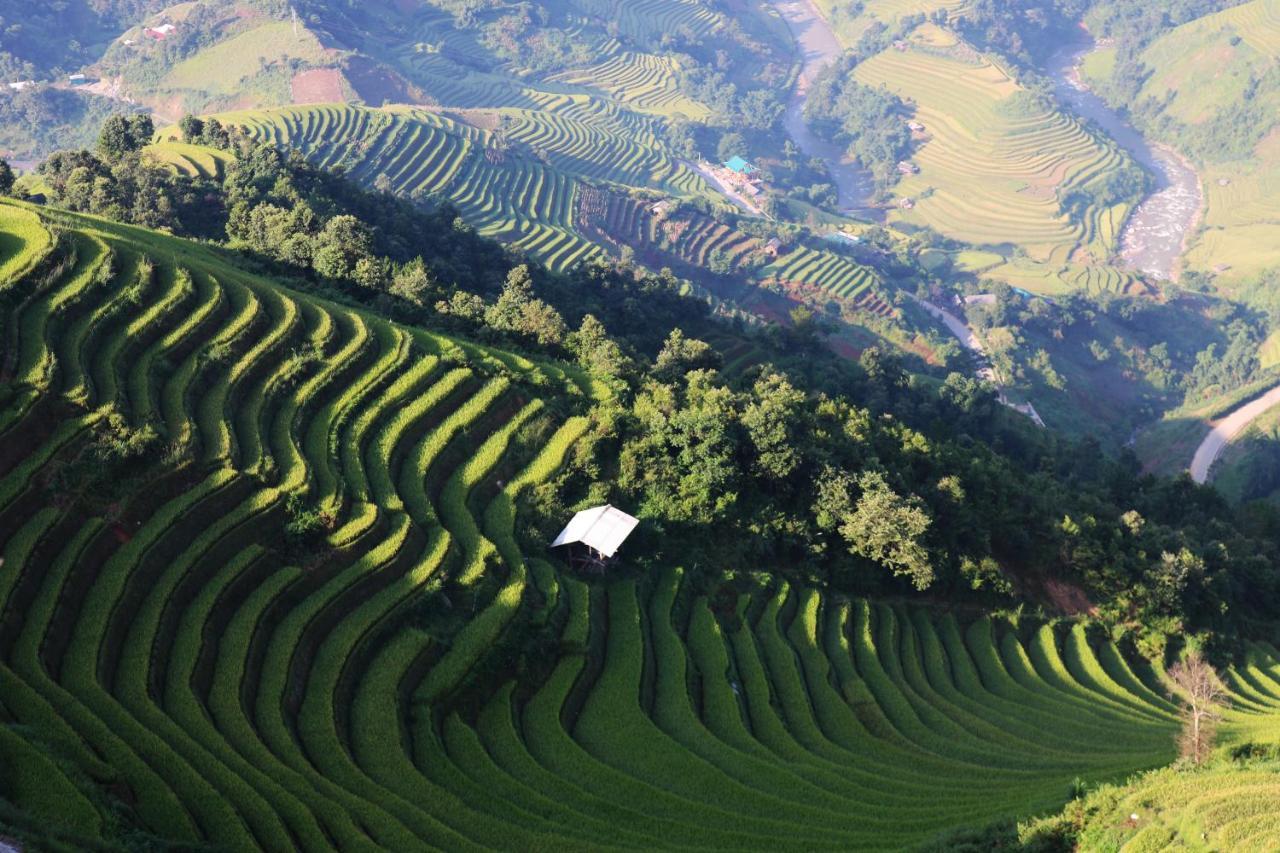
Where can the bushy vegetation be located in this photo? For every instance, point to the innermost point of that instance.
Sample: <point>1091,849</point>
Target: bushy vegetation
<point>1238,124</point>
<point>870,122</point>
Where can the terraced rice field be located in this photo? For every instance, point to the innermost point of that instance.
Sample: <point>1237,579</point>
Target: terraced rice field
<point>1052,280</point>
<point>1219,809</point>
<point>997,165</point>
<point>647,21</point>
<point>1223,807</point>
<point>522,191</point>
<point>197,161</point>
<point>1242,215</point>
<point>688,238</point>
<point>166,648</point>
<point>825,270</point>
<point>639,81</point>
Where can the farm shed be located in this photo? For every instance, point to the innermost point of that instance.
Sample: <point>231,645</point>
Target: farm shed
<point>600,531</point>
<point>774,248</point>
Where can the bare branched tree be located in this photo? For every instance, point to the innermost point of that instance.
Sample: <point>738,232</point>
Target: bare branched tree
<point>1206,698</point>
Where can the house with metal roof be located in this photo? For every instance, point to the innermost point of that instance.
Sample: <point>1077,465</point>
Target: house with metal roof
<point>594,535</point>
<point>739,166</point>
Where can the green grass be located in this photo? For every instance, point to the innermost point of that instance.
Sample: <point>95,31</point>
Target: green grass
<point>223,68</point>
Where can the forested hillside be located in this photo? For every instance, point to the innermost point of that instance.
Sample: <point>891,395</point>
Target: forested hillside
<point>930,345</point>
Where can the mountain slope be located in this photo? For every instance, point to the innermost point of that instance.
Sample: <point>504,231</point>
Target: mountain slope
<point>161,638</point>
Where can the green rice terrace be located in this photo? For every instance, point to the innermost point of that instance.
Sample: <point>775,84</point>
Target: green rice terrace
<point>551,182</point>
<point>169,667</point>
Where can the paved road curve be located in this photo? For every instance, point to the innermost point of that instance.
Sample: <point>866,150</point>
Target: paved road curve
<point>1226,430</point>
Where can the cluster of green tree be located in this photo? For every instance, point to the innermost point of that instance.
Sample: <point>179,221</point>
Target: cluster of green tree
<point>854,474</point>
<point>118,181</point>
<point>1260,478</point>
<point>1025,31</point>
<point>42,118</point>
<point>1186,350</point>
<point>886,485</point>
<point>871,122</point>
<point>1222,369</point>
<point>758,109</point>
<point>1118,185</point>
<point>524,37</point>
<point>208,132</point>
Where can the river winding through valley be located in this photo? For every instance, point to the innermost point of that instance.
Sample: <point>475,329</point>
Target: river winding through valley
<point>1154,236</point>
<point>1156,233</point>
<point>819,47</point>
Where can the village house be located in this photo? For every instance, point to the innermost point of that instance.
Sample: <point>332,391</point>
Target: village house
<point>740,167</point>
<point>594,536</point>
<point>742,175</point>
<point>774,248</point>
<point>907,204</point>
<point>906,167</point>
<point>915,126</point>
<point>159,33</point>
<point>22,84</point>
<point>662,209</point>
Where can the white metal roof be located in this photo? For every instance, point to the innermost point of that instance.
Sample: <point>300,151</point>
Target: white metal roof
<point>603,528</point>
